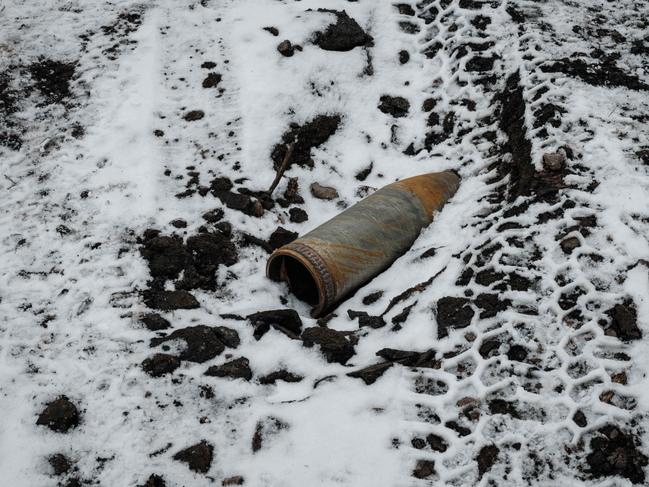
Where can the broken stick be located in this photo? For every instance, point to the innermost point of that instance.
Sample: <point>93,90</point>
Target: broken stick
<point>282,168</point>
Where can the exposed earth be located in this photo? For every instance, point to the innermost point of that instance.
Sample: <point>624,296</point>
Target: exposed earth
<point>141,343</point>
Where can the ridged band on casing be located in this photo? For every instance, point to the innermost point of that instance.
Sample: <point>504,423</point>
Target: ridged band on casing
<point>322,271</point>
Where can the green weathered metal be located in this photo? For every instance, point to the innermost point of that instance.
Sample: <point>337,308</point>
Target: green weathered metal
<point>335,259</point>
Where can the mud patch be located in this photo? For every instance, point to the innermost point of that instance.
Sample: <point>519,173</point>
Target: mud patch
<point>52,79</point>
<point>607,73</point>
<point>312,134</point>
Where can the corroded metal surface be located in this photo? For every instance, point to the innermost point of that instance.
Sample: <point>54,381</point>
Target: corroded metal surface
<point>342,254</point>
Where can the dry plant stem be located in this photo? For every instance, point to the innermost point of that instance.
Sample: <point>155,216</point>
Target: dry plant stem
<point>282,168</point>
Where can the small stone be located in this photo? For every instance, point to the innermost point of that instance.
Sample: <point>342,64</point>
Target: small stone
<point>194,115</point>
<point>178,223</point>
<point>198,457</point>
<point>569,244</point>
<point>59,415</point>
<point>437,443</point>
<point>212,80</point>
<point>323,192</point>
<point>553,161</point>
<point>580,419</point>
<point>160,364</point>
<point>274,31</point>
<point>285,48</point>
<point>235,369</point>
<point>404,57</point>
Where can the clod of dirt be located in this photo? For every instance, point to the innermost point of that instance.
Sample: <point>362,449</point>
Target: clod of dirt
<point>366,320</point>
<point>236,369</point>
<point>437,443</point>
<point>372,298</point>
<point>169,300</point>
<point>285,320</point>
<point>292,192</point>
<point>236,480</point>
<point>160,364</point>
<point>614,452</point>
<point>486,459</point>
<point>213,216</point>
<point>209,250</point>
<point>194,115</point>
<point>285,48</point>
<point>517,353</point>
<point>500,406</point>
<point>554,161</point>
<point>424,469</point>
<point>154,322</point>
<point>397,106</point>
<point>480,64</point>
<point>212,80</point>
<point>166,256</point>
<point>283,375</point>
<point>228,336</point>
<point>266,428</point>
<point>410,359</point>
<point>52,79</point>
<point>60,463</point>
<point>405,9</point>
<point>280,237</point>
<point>298,215</point>
<point>569,244</point>
<point>491,304</point>
<point>312,134</point>
<point>580,419</point>
<point>240,202</point>
<point>178,223</point>
<point>607,73</point>
<point>404,56</point>
<point>202,342</point>
<point>273,30</point>
<point>363,173</point>
<point>453,312</point>
<point>344,35</point>
<point>624,321</point>
<point>208,65</point>
<point>323,192</point>
<point>59,415</point>
<point>371,373</point>
<point>335,345</point>
<point>154,480</point>
<point>198,457</point>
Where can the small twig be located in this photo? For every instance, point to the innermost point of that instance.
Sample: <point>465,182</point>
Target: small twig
<point>282,168</point>
<point>13,183</point>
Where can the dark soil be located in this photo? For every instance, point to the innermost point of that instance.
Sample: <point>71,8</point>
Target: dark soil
<point>169,300</point>
<point>312,134</point>
<point>486,458</point>
<point>154,480</point>
<point>285,48</point>
<point>343,35</point>
<point>59,415</point>
<point>266,428</point>
<point>202,342</point>
<point>212,80</point>
<point>624,321</point>
<point>298,215</point>
<point>198,457</point>
<point>160,364</point>
<point>283,375</point>
<point>335,345</point>
<point>424,469</point>
<point>52,79</point>
<point>154,322</point>
<point>397,106</point>
<point>194,115</point>
<point>280,237</point>
<point>236,369</point>
<point>60,463</point>
<point>453,312</point>
<point>606,73</point>
<point>410,359</point>
<point>614,452</point>
<point>437,443</point>
<point>285,320</point>
<point>372,373</point>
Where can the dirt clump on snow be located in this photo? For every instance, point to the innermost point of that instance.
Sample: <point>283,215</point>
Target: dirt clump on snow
<point>311,134</point>
<point>198,457</point>
<point>202,342</point>
<point>52,79</point>
<point>343,35</point>
<point>614,452</point>
<point>59,415</point>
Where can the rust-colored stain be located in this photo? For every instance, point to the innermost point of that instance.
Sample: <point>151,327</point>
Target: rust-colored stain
<point>347,251</point>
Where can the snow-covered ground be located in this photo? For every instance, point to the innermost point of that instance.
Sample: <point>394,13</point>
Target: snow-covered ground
<point>513,333</point>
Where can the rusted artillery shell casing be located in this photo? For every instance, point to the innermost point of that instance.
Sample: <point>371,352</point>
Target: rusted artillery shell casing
<point>333,260</point>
